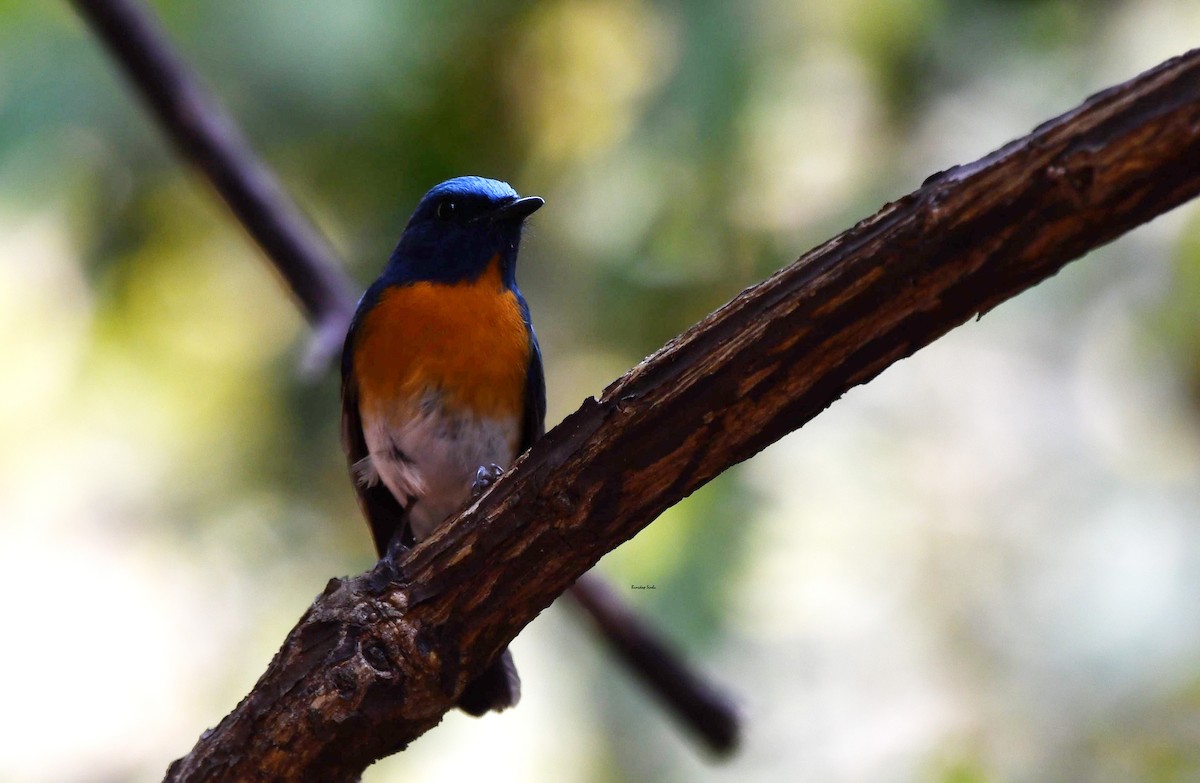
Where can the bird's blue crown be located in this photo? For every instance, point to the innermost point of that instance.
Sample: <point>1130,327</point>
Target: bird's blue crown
<point>457,229</point>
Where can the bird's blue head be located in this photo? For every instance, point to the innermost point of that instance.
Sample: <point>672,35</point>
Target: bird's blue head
<point>458,228</point>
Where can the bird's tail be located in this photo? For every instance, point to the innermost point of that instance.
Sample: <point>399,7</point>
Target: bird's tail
<point>498,688</point>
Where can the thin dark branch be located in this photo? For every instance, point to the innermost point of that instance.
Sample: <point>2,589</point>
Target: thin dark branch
<point>684,695</point>
<point>205,135</point>
<point>378,659</point>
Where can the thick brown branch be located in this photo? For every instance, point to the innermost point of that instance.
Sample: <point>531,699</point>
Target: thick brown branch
<point>379,658</point>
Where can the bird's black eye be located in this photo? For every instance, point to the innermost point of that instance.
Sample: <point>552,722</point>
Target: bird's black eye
<point>445,210</point>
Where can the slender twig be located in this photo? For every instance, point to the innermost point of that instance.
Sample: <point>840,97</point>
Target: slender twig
<point>377,660</point>
<point>686,696</point>
<point>204,134</point>
<point>194,120</point>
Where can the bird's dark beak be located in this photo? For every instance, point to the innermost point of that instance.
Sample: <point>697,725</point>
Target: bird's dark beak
<point>517,210</point>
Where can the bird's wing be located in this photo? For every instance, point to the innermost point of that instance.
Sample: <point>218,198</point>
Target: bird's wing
<point>383,511</point>
<point>533,425</point>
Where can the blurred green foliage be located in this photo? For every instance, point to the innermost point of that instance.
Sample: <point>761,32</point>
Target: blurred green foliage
<point>158,440</point>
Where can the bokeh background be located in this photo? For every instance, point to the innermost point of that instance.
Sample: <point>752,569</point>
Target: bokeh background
<point>983,566</point>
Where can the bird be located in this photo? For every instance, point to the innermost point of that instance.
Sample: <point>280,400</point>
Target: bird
<point>442,378</point>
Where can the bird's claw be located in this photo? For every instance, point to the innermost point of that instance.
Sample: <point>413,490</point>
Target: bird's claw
<point>402,541</point>
<point>486,476</point>
<point>396,547</point>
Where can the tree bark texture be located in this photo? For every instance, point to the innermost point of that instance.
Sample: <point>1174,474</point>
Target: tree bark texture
<point>378,659</point>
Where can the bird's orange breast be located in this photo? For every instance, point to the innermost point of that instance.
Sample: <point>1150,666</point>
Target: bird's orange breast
<point>467,340</point>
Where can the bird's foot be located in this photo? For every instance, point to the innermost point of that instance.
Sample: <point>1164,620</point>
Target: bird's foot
<point>395,549</point>
<point>402,541</point>
<point>486,476</point>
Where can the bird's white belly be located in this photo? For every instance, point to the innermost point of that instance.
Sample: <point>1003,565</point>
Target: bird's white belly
<point>428,459</point>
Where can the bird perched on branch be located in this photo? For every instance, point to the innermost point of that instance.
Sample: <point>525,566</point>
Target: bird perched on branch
<point>442,383</point>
